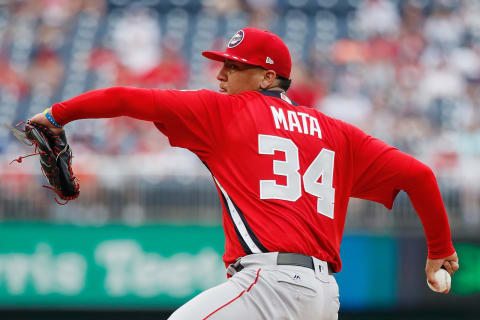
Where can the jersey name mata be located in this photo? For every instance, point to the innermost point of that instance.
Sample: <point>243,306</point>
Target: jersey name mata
<point>291,122</point>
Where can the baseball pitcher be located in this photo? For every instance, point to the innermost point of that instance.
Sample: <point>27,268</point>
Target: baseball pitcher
<point>284,174</point>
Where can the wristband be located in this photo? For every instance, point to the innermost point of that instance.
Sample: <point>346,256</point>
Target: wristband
<point>50,118</point>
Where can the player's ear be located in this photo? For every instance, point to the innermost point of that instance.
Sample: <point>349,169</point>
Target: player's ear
<point>268,79</point>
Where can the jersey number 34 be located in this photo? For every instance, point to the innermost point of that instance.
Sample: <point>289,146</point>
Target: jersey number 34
<point>322,166</point>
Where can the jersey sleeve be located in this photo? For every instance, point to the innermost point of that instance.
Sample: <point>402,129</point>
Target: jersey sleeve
<point>381,171</point>
<point>193,119</point>
<point>190,119</point>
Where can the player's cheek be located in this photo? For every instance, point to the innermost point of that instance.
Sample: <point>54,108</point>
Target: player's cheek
<point>238,85</point>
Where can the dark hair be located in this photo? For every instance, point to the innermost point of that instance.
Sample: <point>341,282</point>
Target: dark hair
<point>284,83</point>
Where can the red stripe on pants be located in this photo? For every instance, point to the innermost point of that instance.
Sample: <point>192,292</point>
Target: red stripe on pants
<point>241,293</point>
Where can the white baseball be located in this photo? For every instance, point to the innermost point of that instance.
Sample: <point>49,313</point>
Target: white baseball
<point>443,279</point>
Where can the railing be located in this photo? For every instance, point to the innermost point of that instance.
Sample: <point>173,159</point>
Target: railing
<point>141,198</point>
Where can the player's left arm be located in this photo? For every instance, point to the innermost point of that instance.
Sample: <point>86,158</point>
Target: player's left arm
<point>103,103</point>
<point>41,118</point>
<point>190,119</point>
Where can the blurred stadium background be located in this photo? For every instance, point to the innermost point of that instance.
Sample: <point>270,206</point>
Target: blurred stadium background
<point>145,235</point>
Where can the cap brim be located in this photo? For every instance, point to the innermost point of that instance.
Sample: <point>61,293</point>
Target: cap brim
<point>222,56</point>
<point>214,55</point>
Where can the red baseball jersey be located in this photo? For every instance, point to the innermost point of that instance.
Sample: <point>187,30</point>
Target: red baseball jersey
<point>284,172</point>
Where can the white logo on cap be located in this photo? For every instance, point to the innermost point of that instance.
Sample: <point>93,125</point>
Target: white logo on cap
<point>269,60</point>
<point>236,39</point>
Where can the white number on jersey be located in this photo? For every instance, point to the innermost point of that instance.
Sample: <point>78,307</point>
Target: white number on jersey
<point>322,166</point>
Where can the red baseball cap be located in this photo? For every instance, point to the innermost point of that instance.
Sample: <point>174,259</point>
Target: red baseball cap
<point>256,47</point>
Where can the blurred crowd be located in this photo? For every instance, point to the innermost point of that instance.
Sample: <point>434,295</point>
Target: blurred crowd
<point>407,71</point>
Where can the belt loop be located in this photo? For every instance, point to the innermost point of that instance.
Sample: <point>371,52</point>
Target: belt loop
<point>234,267</point>
<point>321,269</point>
<point>238,266</point>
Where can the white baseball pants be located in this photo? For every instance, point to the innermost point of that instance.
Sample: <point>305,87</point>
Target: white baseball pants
<point>265,290</point>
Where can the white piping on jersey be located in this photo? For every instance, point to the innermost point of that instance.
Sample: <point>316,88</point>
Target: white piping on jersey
<point>238,221</point>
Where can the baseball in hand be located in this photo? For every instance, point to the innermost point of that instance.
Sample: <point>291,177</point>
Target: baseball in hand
<point>443,279</point>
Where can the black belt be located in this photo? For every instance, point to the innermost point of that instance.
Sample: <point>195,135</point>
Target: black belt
<point>289,259</point>
<point>301,260</point>
<point>295,259</point>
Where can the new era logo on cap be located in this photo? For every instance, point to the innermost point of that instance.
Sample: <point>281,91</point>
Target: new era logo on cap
<point>269,60</point>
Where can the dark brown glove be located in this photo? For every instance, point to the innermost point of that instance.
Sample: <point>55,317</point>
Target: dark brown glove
<point>55,158</point>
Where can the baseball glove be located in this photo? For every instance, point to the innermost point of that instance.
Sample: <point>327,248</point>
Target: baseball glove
<point>55,158</point>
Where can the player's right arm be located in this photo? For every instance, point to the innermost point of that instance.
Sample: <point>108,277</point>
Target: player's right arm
<point>450,263</point>
<point>381,171</point>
